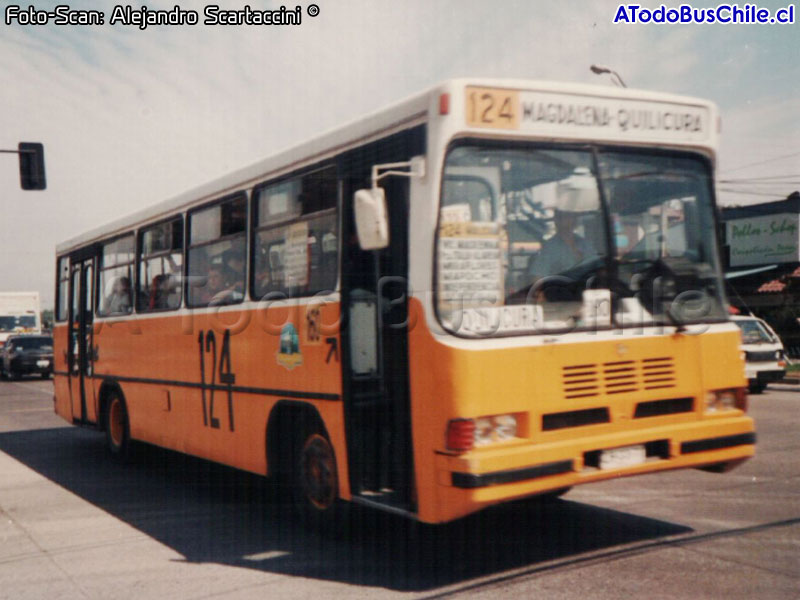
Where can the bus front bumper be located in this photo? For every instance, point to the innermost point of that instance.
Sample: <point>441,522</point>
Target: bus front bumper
<point>505,472</point>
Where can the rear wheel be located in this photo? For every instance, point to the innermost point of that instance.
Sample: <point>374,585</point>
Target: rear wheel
<point>317,480</point>
<point>315,483</point>
<point>118,436</point>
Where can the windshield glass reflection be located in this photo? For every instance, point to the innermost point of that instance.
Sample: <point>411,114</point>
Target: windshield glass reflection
<point>527,242</point>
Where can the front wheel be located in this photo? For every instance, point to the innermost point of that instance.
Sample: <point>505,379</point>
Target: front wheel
<point>117,427</point>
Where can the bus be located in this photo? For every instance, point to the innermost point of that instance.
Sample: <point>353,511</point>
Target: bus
<point>490,291</point>
<point>19,313</point>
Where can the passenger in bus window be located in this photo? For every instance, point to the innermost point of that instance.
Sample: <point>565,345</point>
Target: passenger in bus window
<point>160,291</point>
<point>263,275</point>
<point>564,250</point>
<point>198,271</point>
<point>233,261</point>
<point>119,301</point>
<point>218,289</point>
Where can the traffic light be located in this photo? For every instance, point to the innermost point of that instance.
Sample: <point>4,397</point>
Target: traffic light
<point>31,166</point>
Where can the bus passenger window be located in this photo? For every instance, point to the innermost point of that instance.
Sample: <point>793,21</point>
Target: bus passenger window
<point>217,253</point>
<point>160,266</point>
<point>296,249</point>
<point>116,274</point>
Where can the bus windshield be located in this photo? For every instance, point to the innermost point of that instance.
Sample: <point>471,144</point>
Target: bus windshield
<point>16,323</point>
<point>543,239</point>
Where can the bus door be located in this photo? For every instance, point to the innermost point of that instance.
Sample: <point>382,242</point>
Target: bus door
<point>79,351</point>
<point>375,355</point>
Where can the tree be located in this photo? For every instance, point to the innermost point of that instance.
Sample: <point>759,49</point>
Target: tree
<point>47,319</point>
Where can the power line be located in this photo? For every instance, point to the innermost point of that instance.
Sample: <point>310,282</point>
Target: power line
<point>762,194</point>
<point>763,162</point>
<point>765,178</point>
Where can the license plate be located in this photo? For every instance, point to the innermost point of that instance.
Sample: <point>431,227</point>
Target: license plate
<point>616,458</point>
<point>42,363</point>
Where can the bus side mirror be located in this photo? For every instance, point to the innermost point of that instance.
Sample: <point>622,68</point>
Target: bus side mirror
<point>372,222</point>
<point>31,166</point>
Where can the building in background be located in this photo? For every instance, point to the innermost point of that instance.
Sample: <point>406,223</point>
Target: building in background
<point>762,264</point>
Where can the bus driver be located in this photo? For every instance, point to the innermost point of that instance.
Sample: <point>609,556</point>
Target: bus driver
<point>566,249</point>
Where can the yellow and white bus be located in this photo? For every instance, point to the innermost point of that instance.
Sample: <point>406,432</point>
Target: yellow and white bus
<point>492,290</point>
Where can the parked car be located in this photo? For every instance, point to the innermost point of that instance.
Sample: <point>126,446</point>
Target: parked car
<point>27,355</point>
<point>765,358</point>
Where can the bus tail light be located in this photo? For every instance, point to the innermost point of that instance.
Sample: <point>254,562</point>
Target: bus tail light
<point>460,435</point>
<point>719,400</point>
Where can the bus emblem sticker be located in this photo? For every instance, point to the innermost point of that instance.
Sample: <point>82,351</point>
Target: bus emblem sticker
<point>289,355</point>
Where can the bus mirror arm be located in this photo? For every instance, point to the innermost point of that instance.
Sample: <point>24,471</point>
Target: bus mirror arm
<point>372,221</point>
<point>415,166</point>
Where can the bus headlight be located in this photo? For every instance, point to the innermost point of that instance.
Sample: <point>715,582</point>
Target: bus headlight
<point>720,400</point>
<point>464,434</point>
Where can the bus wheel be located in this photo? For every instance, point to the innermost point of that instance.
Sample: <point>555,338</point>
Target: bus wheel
<point>316,485</point>
<point>118,434</point>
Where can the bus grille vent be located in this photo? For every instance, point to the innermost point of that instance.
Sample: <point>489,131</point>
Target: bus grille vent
<point>658,408</point>
<point>575,418</point>
<point>618,377</point>
<point>658,373</point>
<point>581,381</point>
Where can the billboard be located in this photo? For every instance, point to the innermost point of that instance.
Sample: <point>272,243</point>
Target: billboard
<point>764,240</point>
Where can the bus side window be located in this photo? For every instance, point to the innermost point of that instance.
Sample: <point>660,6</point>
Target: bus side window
<point>296,241</point>
<point>116,274</point>
<point>216,247</point>
<point>160,266</point>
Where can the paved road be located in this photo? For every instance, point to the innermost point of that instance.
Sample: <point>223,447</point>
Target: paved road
<point>74,525</point>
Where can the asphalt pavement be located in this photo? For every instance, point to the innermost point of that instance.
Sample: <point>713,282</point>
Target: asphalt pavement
<point>73,524</point>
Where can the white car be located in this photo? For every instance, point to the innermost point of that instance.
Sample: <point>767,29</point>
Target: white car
<point>765,360</point>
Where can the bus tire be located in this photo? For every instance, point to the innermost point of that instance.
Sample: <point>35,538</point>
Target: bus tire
<point>315,483</point>
<point>117,427</point>
<point>552,495</point>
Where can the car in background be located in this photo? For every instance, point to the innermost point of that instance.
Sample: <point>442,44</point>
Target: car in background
<point>27,355</point>
<point>765,358</point>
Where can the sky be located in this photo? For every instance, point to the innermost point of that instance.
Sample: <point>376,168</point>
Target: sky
<point>132,117</point>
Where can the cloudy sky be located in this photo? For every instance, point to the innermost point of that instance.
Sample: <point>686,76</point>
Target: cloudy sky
<point>130,117</point>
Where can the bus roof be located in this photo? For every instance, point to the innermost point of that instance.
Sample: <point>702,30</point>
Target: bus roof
<point>407,113</point>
